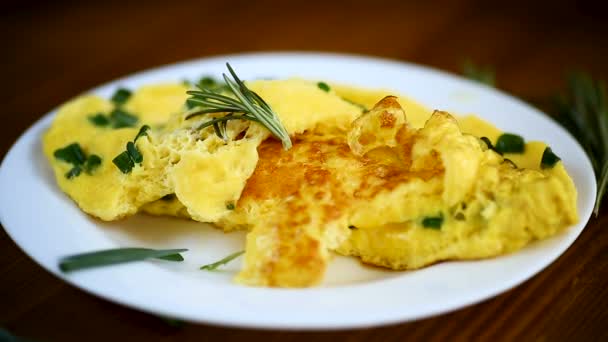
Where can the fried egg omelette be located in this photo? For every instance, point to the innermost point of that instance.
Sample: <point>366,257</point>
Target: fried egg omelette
<point>397,186</point>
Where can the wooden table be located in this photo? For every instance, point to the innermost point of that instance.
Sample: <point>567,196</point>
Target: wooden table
<point>53,51</point>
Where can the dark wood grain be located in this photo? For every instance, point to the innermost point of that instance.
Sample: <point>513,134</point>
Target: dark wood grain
<point>54,50</point>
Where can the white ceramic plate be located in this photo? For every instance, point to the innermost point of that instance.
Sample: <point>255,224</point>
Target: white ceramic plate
<point>47,225</point>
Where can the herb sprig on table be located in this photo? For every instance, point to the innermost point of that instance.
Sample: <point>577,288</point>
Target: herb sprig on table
<point>582,110</point>
<point>245,105</point>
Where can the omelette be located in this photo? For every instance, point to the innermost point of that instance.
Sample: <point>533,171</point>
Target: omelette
<point>368,175</point>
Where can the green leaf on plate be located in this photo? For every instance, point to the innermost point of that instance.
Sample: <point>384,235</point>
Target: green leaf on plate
<point>117,256</point>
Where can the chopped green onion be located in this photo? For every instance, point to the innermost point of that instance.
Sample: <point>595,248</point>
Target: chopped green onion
<point>207,82</point>
<point>121,96</point>
<point>549,159</point>
<point>118,118</point>
<point>215,265</point>
<point>510,143</point>
<point>323,86</point>
<point>99,119</point>
<point>210,83</point>
<point>433,222</point>
<point>143,132</point>
<point>116,256</point>
<point>230,206</point>
<point>72,154</point>
<point>74,172</point>
<point>93,162</point>
<point>134,153</point>
<point>124,162</point>
<point>121,118</point>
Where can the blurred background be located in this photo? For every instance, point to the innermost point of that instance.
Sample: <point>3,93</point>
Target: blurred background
<point>54,50</point>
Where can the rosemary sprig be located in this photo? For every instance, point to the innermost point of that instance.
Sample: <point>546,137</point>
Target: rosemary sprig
<point>246,105</point>
<point>584,112</point>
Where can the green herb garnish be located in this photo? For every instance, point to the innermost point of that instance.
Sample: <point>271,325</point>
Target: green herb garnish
<point>510,143</point>
<point>549,159</point>
<point>143,132</point>
<point>215,265</point>
<point>127,159</point>
<point>134,153</point>
<point>323,86</point>
<point>92,163</point>
<point>230,206</point>
<point>99,119</point>
<point>117,256</point>
<point>74,172</point>
<point>246,105</point>
<point>208,82</point>
<point>74,155</point>
<point>120,119</point>
<point>483,75</point>
<point>124,162</point>
<point>121,96</point>
<point>433,222</point>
